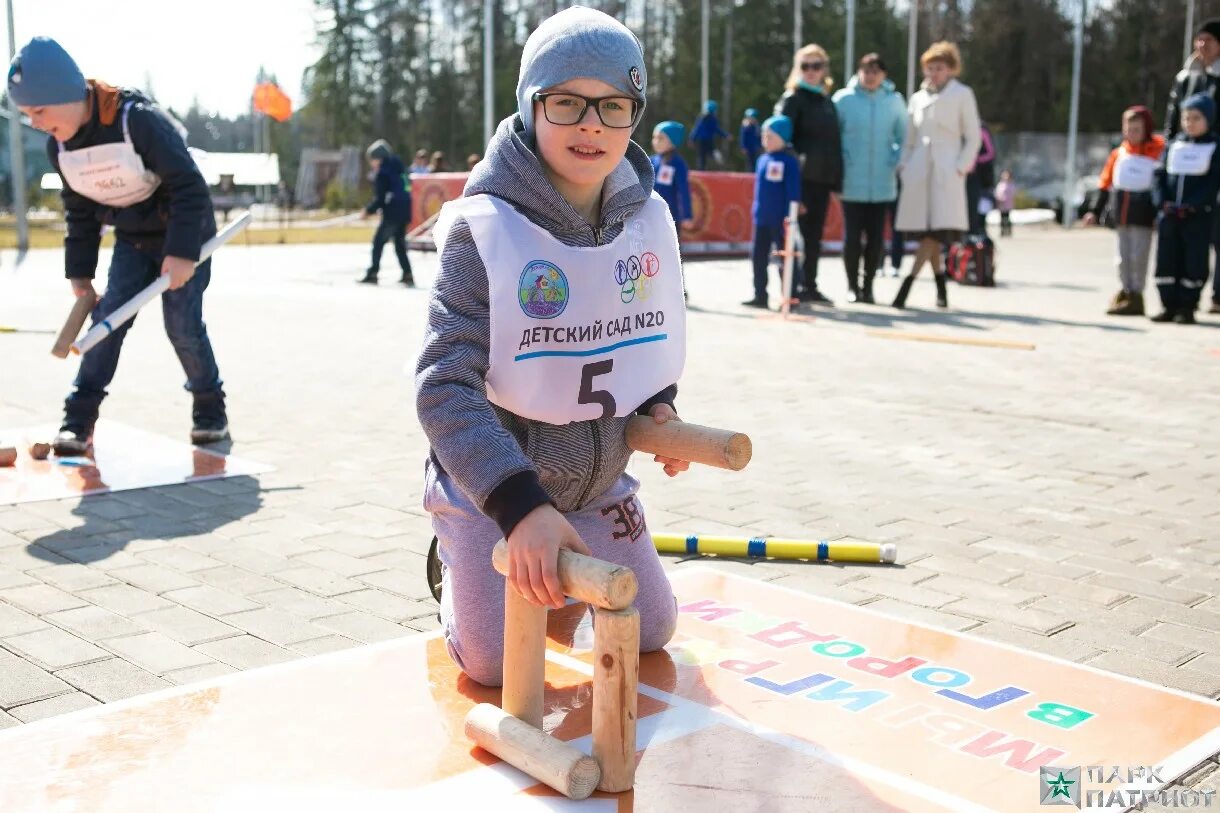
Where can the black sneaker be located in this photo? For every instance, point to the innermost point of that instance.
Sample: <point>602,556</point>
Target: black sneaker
<point>1163,316</point>
<point>369,278</point>
<point>755,303</point>
<point>72,441</point>
<point>1184,317</point>
<point>210,423</point>
<point>407,281</point>
<point>435,570</point>
<point>817,298</point>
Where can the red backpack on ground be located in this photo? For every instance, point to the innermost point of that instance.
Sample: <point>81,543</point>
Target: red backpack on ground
<point>972,261</point>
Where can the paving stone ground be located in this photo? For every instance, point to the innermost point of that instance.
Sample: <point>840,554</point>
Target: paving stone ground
<point>1065,499</point>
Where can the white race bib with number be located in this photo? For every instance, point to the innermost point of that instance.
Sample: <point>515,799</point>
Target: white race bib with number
<point>110,174</point>
<point>665,175</point>
<point>775,171</point>
<point>577,333</point>
<point>1188,158</point>
<point>1133,173</point>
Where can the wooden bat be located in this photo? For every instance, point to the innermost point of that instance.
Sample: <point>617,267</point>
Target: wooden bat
<point>690,441</point>
<point>602,584</point>
<point>73,324</point>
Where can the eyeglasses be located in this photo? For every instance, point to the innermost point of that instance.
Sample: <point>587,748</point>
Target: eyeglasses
<point>813,66</point>
<point>616,112</point>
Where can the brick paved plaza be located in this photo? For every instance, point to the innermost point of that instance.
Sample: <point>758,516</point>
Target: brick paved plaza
<point>1064,500</point>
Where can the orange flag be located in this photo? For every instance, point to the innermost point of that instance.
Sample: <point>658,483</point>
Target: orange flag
<point>269,99</point>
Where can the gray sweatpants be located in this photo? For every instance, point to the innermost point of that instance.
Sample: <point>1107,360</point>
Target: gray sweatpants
<point>472,600</point>
<point>1134,245</point>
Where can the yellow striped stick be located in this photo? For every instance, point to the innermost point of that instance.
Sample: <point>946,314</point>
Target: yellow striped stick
<point>758,547</point>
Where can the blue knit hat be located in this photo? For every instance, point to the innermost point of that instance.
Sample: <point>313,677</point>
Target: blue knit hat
<point>580,43</point>
<point>781,126</point>
<point>673,130</point>
<point>42,73</point>
<point>1204,104</point>
<point>751,113</point>
<point>710,106</point>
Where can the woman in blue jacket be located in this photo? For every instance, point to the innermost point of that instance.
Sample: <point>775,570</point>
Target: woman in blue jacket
<point>872,124</point>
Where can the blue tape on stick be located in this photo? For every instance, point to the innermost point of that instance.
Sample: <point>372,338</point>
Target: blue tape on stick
<point>823,551</point>
<point>756,547</point>
<point>106,324</point>
<point>692,544</point>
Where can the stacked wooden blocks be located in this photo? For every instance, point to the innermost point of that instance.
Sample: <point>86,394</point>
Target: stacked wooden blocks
<point>514,733</point>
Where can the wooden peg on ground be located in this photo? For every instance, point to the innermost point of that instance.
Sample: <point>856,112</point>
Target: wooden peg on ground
<point>72,325</point>
<point>602,584</point>
<point>551,761</point>
<point>8,456</point>
<point>524,657</point>
<point>616,674</point>
<point>40,450</point>
<point>690,441</point>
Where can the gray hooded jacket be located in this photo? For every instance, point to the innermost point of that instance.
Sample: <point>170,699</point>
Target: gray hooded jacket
<point>506,464</point>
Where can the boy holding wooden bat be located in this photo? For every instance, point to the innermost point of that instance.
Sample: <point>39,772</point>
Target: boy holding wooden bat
<point>124,163</point>
<point>556,316</point>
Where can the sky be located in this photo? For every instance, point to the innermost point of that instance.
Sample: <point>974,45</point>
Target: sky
<point>208,50</point>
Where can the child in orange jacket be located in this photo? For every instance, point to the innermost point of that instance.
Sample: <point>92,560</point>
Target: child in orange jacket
<point>1126,189</point>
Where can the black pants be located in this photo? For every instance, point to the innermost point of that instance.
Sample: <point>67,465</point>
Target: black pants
<point>1216,243</point>
<point>391,228</point>
<point>765,237</point>
<point>1182,246</point>
<point>816,197</point>
<point>1006,223</point>
<point>897,249</point>
<point>867,220</point>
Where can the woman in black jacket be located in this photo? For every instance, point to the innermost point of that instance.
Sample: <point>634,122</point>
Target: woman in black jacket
<point>815,135</point>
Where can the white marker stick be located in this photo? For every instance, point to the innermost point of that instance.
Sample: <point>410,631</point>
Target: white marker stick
<point>127,311</point>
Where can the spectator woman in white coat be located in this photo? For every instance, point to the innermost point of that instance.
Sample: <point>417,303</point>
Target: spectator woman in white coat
<point>942,143</point>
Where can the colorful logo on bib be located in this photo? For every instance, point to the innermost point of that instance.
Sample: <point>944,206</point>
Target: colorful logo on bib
<point>543,290</point>
<point>635,276</point>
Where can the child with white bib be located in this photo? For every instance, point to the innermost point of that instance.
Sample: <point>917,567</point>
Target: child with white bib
<point>124,163</point>
<point>1125,190</point>
<point>1187,183</point>
<point>557,315</point>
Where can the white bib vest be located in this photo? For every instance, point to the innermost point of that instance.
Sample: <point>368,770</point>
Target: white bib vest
<point>665,175</point>
<point>577,333</point>
<point>1189,158</point>
<point>110,174</point>
<point>1133,173</point>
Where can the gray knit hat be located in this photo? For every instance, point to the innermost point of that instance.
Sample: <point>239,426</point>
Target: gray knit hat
<point>379,149</point>
<point>580,43</point>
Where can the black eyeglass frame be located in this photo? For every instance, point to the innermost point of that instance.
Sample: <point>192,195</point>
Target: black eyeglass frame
<point>813,66</point>
<point>637,109</point>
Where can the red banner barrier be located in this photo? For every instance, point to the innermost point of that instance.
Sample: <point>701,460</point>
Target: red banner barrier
<point>721,203</point>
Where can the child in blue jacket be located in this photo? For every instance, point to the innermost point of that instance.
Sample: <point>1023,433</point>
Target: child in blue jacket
<point>705,135</point>
<point>391,197</point>
<point>671,173</point>
<point>1185,192</point>
<point>777,183</point>
<point>750,139</point>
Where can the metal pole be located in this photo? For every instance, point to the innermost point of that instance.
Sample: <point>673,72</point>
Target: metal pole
<point>1189,45</point>
<point>796,26</point>
<point>703,37</point>
<point>489,75</point>
<point>912,44</point>
<point>267,151</point>
<point>16,148</point>
<point>849,47</point>
<point>1069,181</point>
